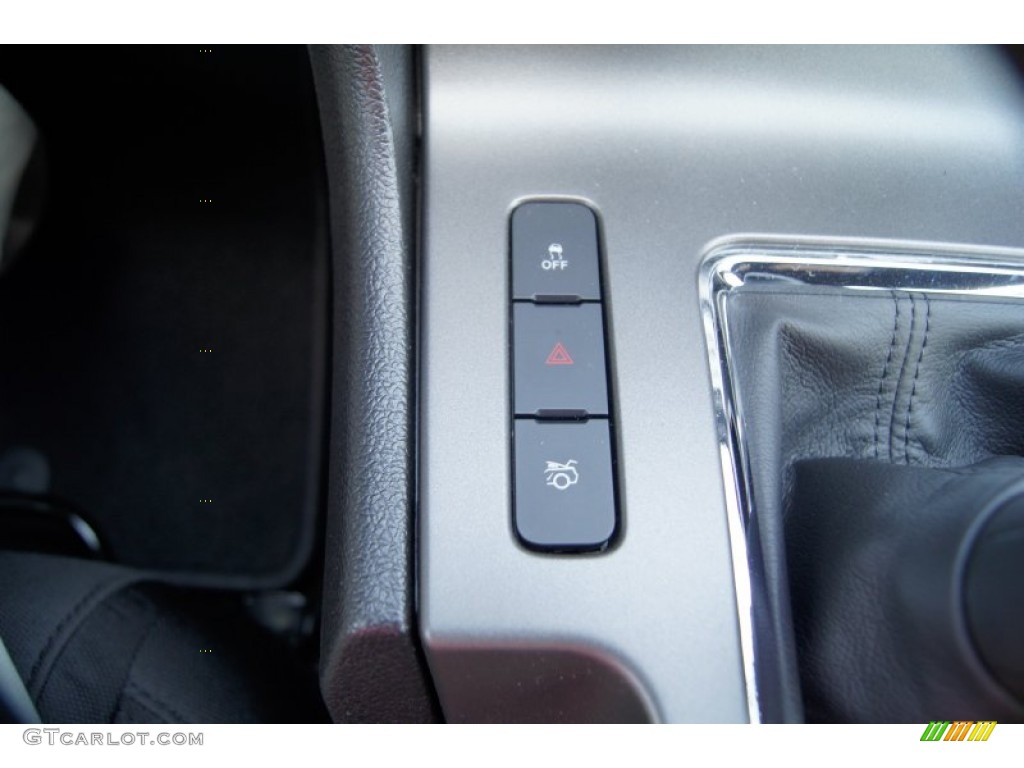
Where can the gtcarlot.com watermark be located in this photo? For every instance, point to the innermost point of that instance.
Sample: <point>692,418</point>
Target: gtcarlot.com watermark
<point>59,736</point>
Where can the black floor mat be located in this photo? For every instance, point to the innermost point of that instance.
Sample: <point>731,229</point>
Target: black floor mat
<point>163,352</point>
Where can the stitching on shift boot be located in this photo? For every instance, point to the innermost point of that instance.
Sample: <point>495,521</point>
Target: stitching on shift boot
<point>893,416</point>
<point>917,373</point>
<point>885,368</point>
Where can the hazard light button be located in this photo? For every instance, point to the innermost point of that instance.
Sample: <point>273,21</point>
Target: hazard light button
<point>559,361</point>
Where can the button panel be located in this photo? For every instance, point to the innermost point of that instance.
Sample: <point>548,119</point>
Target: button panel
<point>559,360</point>
<point>555,253</point>
<point>564,493</point>
<point>563,430</point>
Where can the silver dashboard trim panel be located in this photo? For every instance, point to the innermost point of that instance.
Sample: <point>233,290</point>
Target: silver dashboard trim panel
<point>674,147</point>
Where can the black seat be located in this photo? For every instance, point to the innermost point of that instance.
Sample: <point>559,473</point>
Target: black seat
<point>100,643</point>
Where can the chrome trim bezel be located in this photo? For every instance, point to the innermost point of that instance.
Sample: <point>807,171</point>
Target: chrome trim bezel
<point>842,263</point>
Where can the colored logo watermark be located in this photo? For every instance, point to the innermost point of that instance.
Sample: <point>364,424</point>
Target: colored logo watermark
<point>959,730</point>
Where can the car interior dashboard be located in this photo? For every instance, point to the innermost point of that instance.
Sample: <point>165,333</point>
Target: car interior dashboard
<point>550,384</point>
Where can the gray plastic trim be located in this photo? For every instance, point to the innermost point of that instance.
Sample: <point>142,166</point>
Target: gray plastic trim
<point>16,706</point>
<point>19,138</point>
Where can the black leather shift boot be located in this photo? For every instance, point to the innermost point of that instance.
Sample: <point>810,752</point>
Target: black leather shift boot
<point>879,557</point>
<point>888,378</point>
<point>902,378</point>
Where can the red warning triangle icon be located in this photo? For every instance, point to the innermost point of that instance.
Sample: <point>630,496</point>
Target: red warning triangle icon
<point>559,356</point>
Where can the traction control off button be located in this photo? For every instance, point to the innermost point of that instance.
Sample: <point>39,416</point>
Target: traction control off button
<point>554,252</point>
